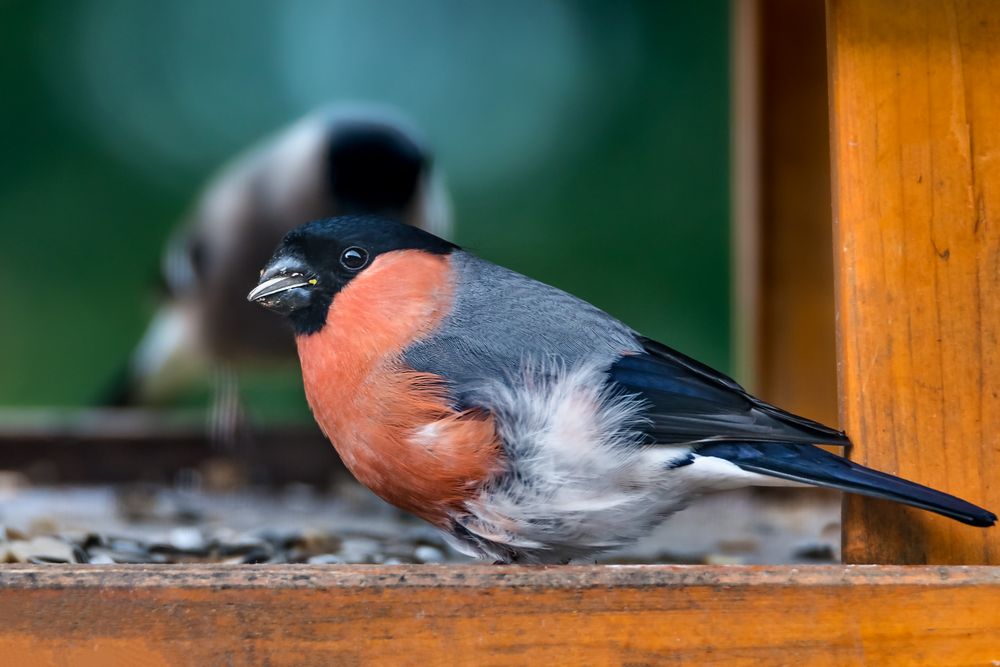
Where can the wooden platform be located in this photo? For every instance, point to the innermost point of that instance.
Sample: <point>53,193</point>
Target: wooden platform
<point>431,615</point>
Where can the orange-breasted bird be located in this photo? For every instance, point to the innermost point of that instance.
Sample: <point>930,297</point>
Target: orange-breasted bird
<point>525,423</point>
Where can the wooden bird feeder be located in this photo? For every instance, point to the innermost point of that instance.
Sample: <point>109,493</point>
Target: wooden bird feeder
<point>867,180</point>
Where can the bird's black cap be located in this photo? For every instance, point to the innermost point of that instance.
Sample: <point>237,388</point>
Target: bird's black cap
<point>315,261</point>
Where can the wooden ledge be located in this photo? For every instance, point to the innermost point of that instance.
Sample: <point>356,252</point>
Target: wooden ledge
<point>577,577</point>
<point>498,615</point>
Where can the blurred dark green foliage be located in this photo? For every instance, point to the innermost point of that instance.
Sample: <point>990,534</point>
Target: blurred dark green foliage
<point>633,218</point>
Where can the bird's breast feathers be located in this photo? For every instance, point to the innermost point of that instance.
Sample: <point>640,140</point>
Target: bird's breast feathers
<point>394,427</point>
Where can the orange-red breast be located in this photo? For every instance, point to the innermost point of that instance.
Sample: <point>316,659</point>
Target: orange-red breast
<point>526,424</point>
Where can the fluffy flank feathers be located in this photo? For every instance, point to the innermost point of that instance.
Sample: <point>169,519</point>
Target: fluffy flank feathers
<point>579,480</point>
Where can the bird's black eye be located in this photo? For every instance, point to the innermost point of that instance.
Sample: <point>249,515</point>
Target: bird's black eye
<point>354,258</point>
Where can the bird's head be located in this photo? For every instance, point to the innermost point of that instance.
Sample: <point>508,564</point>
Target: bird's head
<point>317,260</point>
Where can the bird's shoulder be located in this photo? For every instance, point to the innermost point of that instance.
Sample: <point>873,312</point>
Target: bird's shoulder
<point>501,322</point>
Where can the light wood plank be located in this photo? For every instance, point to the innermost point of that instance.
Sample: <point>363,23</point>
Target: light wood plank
<point>915,125</point>
<point>426,615</point>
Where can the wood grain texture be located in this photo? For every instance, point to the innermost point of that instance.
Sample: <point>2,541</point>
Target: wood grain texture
<point>427,615</point>
<point>782,212</point>
<point>915,130</point>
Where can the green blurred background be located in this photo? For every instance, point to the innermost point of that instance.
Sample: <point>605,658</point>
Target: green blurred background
<point>586,144</point>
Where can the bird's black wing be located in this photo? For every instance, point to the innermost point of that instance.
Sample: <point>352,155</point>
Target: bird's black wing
<point>688,401</point>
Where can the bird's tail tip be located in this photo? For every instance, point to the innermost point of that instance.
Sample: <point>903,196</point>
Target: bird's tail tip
<point>812,465</point>
<point>984,519</point>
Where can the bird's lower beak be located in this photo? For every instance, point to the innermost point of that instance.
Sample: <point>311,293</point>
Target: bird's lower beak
<point>276,285</point>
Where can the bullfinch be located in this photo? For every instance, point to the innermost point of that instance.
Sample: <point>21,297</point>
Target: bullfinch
<point>525,423</point>
<point>340,160</point>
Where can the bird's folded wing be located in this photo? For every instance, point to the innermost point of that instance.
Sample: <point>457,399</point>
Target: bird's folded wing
<point>689,402</point>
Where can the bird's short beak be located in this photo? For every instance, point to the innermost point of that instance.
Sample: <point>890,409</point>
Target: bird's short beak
<point>285,286</point>
<point>278,284</point>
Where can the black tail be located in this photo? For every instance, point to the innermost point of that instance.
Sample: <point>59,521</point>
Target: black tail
<point>812,465</point>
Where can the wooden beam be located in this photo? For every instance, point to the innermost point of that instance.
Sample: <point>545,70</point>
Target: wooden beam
<point>485,615</point>
<point>915,125</point>
<point>131,444</point>
<point>783,244</point>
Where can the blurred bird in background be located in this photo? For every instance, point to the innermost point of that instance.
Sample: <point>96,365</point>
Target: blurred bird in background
<point>342,160</point>
<point>525,423</point>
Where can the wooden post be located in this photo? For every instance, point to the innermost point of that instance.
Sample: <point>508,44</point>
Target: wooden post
<point>915,132</point>
<point>782,240</point>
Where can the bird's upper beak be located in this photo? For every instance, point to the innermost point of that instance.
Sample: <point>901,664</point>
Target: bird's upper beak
<point>285,286</point>
<point>277,284</point>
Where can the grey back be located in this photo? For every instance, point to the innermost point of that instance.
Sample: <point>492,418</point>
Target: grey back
<point>503,323</point>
